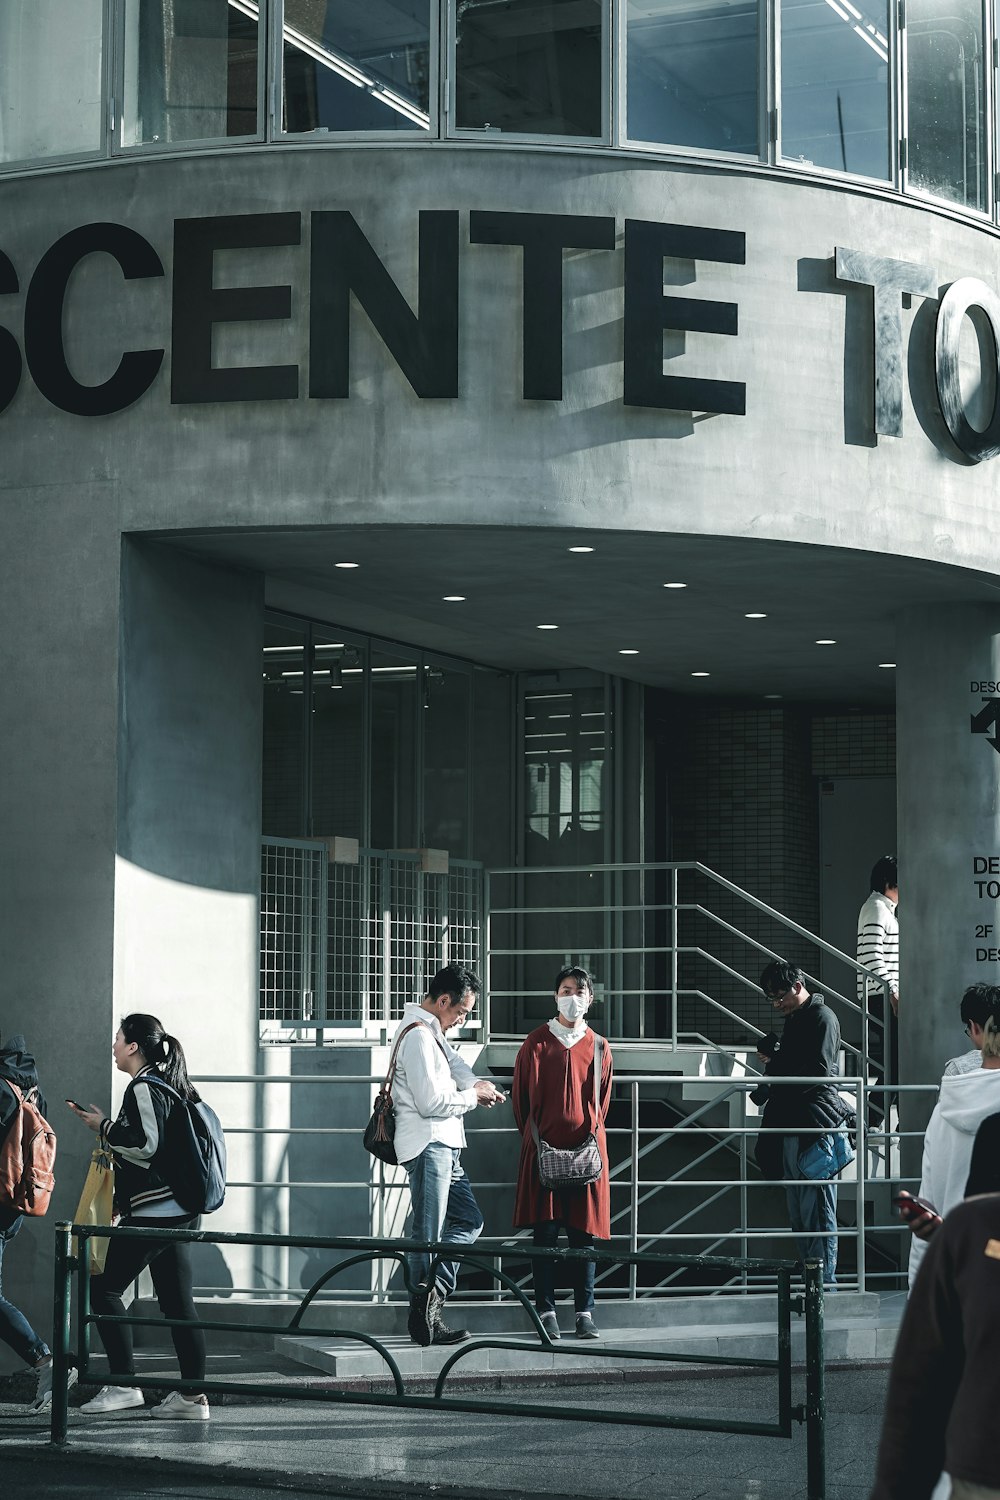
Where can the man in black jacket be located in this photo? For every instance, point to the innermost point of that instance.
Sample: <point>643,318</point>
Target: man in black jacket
<point>17,1066</point>
<point>809,1048</point>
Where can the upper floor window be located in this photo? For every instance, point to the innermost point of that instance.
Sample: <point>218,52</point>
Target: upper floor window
<point>51,62</point>
<point>836,99</point>
<point>946,99</point>
<point>693,74</point>
<point>190,71</point>
<point>355,68</point>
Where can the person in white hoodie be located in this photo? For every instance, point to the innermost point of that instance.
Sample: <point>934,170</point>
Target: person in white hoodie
<point>965,1101</point>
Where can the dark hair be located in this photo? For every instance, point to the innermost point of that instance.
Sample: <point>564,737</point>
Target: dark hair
<point>779,977</point>
<point>453,981</point>
<point>980,1002</point>
<point>884,874</point>
<point>573,971</point>
<point>162,1050</point>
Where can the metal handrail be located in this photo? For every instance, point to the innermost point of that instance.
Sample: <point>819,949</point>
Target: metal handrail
<point>811,1414</point>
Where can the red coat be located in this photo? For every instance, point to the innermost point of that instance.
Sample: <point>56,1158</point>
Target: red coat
<point>554,1084</point>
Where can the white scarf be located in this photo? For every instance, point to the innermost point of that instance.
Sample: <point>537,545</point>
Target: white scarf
<point>568,1035</point>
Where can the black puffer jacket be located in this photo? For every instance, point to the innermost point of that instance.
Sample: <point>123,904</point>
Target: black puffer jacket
<point>18,1067</point>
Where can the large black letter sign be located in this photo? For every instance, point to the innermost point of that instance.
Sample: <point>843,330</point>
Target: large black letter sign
<point>43,321</point>
<point>956,302</point>
<point>10,354</point>
<point>648,312</point>
<point>199,305</point>
<point>423,344</point>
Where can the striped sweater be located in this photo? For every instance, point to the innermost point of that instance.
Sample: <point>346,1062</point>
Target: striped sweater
<point>878,943</point>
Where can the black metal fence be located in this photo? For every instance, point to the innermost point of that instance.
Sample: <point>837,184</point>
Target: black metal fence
<point>348,1252</point>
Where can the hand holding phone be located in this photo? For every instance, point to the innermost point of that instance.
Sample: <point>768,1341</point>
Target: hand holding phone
<point>73,1105</point>
<point>921,1215</point>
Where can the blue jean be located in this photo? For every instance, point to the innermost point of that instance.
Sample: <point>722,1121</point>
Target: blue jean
<point>812,1208</point>
<point>15,1330</point>
<point>444,1209</point>
<point>582,1272</point>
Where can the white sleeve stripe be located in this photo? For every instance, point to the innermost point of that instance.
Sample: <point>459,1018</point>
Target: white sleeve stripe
<point>141,1156</point>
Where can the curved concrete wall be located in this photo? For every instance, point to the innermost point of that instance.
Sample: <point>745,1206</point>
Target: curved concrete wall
<point>802,464</point>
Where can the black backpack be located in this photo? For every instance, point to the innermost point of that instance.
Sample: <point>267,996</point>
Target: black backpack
<point>192,1154</point>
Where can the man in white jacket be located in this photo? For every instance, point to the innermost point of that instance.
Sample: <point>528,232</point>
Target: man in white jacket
<point>433,1090</point>
<point>965,1101</point>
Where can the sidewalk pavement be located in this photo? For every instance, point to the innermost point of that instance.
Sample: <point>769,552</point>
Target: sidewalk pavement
<point>354,1450</point>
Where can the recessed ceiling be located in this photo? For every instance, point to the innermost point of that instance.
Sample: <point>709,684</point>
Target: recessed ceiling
<point>612,600</point>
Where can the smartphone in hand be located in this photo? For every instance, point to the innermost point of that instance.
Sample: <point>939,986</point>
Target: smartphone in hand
<point>76,1106</point>
<point>916,1210</point>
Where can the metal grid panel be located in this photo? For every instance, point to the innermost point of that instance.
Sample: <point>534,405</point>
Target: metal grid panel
<point>404,930</point>
<point>464,915</point>
<point>292,877</point>
<point>348,944</point>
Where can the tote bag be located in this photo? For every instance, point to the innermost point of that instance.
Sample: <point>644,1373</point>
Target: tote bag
<point>96,1206</point>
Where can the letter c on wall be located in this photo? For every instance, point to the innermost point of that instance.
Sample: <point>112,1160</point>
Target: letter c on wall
<point>43,321</point>
<point>958,299</point>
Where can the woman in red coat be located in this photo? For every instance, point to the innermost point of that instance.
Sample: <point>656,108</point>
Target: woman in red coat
<point>554,1086</point>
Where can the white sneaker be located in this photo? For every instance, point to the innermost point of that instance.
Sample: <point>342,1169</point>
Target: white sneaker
<point>43,1390</point>
<point>113,1398</point>
<point>186,1408</point>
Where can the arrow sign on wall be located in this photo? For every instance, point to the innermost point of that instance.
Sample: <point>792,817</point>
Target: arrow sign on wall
<point>986,719</point>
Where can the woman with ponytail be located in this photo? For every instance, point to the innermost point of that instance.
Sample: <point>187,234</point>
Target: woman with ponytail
<point>965,1101</point>
<point>144,1199</point>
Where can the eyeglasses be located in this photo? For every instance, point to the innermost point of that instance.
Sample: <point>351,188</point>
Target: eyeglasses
<point>776,996</point>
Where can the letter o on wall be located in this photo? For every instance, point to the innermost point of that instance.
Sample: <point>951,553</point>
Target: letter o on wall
<point>962,295</point>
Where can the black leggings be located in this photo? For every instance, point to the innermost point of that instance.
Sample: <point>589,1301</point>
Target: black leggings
<point>169,1263</point>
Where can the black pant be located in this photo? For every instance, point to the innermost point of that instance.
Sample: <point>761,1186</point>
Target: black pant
<point>169,1263</point>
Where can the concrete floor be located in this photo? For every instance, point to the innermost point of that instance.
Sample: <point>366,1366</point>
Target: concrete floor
<point>371,1451</point>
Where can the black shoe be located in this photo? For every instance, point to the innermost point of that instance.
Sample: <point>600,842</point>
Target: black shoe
<point>440,1332</point>
<point>418,1324</point>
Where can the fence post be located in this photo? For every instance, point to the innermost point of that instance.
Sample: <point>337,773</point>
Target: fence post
<point>815,1393</point>
<point>861,1167</point>
<point>633,1228</point>
<point>64,1264</point>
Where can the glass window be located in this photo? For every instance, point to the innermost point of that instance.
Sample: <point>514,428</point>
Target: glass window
<point>283,811</point>
<point>693,73</point>
<point>530,67</point>
<point>50,78</point>
<point>394,780</point>
<point>835,95</point>
<point>446,760</point>
<point>356,67</point>
<point>338,684</point>
<point>945,75</point>
<point>190,71</point>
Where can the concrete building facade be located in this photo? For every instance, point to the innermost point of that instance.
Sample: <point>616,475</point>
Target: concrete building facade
<point>612,363</point>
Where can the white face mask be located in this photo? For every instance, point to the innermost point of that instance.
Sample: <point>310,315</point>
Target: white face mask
<point>573,1007</point>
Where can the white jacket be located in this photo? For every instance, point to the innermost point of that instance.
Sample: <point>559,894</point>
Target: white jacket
<point>963,1104</point>
<point>433,1088</point>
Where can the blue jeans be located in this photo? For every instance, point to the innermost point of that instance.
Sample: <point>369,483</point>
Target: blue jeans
<point>444,1209</point>
<point>582,1272</point>
<point>812,1208</point>
<point>15,1330</point>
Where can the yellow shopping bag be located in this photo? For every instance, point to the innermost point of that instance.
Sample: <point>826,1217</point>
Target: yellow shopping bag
<point>96,1206</point>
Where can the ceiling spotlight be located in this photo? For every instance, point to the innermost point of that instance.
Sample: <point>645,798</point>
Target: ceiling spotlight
<point>887,663</point>
<point>755,617</point>
<point>546,627</point>
<point>701,674</point>
<point>675,585</point>
<point>826,643</point>
<point>628,651</point>
<point>580,549</point>
<point>771,695</point>
<point>453,598</point>
<point>346,565</point>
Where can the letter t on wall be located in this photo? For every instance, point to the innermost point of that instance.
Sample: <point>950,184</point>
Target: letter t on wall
<point>888,279</point>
